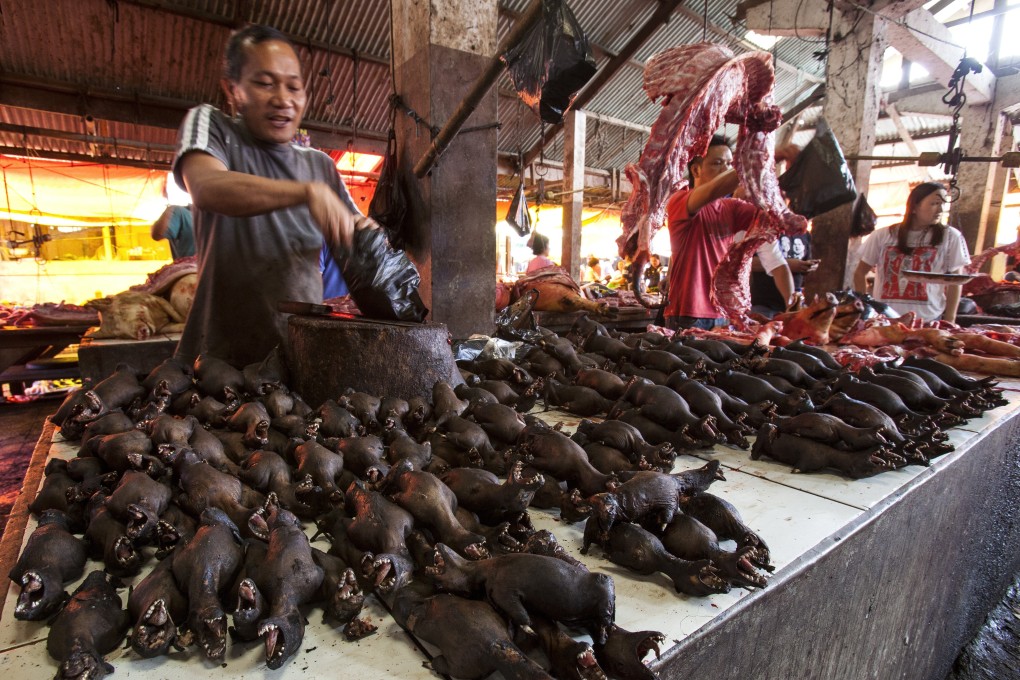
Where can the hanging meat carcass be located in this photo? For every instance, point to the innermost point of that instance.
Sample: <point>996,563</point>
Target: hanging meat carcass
<point>704,86</point>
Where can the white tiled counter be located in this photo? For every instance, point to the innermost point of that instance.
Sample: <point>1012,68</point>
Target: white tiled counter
<point>881,577</point>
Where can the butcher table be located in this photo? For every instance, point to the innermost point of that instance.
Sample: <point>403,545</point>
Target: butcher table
<point>26,353</point>
<point>884,577</point>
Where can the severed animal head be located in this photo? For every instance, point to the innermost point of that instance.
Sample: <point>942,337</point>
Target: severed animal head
<point>154,632</point>
<point>41,595</point>
<point>281,636</point>
<point>84,663</point>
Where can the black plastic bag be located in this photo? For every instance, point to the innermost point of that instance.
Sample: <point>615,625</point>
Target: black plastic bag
<point>819,179</point>
<point>383,281</point>
<point>516,322</point>
<point>517,215</point>
<point>389,205</point>
<point>864,219</point>
<point>551,63</point>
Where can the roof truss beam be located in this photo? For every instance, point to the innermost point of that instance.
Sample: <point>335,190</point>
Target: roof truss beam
<point>235,22</point>
<point>160,112</point>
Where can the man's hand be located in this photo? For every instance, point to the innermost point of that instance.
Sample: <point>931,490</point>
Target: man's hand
<point>803,266</point>
<point>787,153</point>
<point>335,220</point>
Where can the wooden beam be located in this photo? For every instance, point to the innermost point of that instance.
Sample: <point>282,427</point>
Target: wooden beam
<point>894,116</point>
<point>50,133</point>
<point>150,110</point>
<point>85,158</point>
<point>234,22</point>
<point>929,43</point>
<point>609,120</point>
<point>572,196</point>
<point>999,10</point>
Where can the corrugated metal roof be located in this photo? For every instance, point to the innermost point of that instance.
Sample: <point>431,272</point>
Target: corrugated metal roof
<point>169,51</point>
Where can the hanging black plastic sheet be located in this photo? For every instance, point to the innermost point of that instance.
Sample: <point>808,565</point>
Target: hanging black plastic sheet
<point>819,178</point>
<point>517,215</point>
<point>552,63</point>
<point>382,280</point>
<point>389,204</point>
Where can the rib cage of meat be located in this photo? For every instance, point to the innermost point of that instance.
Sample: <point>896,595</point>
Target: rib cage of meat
<point>978,260</point>
<point>704,85</point>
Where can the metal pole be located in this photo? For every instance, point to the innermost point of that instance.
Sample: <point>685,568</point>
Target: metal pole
<point>478,90</point>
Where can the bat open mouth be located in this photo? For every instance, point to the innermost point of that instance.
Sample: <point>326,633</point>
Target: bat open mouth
<point>155,630</point>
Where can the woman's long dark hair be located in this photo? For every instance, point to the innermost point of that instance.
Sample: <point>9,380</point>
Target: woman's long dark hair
<point>936,232</point>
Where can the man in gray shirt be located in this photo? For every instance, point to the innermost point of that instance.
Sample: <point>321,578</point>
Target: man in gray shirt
<point>262,205</point>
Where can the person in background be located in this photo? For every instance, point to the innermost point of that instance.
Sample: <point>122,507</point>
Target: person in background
<point>920,243</point>
<point>174,225</point>
<point>653,274</point>
<point>703,222</point>
<point>540,247</point>
<point>262,205</point>
<point>765,296</point>
<point>593,272</point>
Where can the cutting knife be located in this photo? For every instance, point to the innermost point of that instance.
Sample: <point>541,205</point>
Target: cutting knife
<point>313,309</point>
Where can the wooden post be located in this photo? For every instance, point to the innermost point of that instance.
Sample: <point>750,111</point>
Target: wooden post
<point>439,49</point>
<point>573,187</point>
<point>851,108</point>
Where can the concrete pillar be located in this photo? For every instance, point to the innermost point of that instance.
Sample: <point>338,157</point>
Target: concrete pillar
<point>439,49</point>
<point>573,186</point>
<point>851,107</point>
<point>981,128</point>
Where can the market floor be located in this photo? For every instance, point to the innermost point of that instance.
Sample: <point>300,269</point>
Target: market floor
<point>993,654</point>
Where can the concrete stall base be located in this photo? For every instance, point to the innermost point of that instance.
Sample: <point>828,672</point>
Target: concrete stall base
<point>877,578</point>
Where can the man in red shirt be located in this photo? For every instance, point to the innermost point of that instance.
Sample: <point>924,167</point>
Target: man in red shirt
<point>703,220</point>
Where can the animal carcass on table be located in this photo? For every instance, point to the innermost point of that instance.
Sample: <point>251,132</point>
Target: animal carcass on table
<point>703,86</point>
<point>135,315</point>
<point>557,292</point>
<point>159,305</point>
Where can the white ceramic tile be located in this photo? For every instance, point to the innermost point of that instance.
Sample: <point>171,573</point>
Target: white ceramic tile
<point>794,514</point>
<point>323,653</point>
<point>990,418</point>
<point>790,521</point>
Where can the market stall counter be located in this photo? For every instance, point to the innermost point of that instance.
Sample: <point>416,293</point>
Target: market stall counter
<point>882,577</point>
<point>98,358</point>
<point>28,353</point>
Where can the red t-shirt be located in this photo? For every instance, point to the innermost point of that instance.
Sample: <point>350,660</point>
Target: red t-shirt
<point>699,243</point>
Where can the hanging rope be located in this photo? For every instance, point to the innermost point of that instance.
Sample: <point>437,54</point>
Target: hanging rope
<point>704,22</point>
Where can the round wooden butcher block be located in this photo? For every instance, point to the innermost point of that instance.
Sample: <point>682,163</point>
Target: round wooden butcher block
<point>328,355</point>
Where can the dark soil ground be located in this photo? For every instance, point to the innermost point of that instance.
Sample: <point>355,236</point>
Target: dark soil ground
<point>20,426</point>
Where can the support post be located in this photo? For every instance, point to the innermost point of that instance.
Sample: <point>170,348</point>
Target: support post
<point>439,49</point>
<point>980,132</point>
<point>573,187</point>
<point>853,98</point>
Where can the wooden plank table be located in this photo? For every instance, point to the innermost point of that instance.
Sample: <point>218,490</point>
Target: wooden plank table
<point>20,347</point>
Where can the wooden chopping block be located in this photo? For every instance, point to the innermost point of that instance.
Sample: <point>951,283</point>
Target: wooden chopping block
<point>402,360</point>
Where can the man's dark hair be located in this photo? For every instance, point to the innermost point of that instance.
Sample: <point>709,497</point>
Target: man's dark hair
<point>233,58</point>
<point>540,244</point>
<point>717,140</point>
